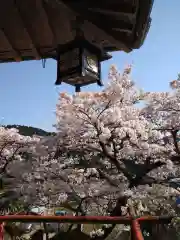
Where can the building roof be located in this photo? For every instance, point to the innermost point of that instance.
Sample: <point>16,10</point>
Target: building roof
<point>31,29</point>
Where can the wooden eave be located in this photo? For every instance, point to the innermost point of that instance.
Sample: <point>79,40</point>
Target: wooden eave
<point>32,29</point>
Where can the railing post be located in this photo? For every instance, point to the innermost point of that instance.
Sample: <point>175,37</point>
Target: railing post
<point>1,231</point>
<point>136,233</point>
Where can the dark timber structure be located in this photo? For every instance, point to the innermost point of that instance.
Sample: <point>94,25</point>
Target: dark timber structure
<point>32,29</point>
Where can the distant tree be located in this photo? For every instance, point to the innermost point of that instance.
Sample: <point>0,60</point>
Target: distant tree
<point>30,131</point>
<point>14,150</point>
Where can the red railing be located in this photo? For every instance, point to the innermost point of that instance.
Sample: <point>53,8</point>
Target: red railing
<point>134,222</point>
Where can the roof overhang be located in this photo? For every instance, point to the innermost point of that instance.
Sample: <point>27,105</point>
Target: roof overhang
<point>32,29</point>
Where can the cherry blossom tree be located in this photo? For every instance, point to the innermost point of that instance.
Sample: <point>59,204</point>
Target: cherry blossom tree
<point>163,110</point>
<point>109,154</point>
<point>14,149</point>
<point>113,133</point>
<point>122,141</point>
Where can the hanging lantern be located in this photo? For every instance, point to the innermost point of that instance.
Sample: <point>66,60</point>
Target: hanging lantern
<point>79,63</point>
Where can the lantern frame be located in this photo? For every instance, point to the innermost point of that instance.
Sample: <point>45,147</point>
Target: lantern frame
<point>80,71</point>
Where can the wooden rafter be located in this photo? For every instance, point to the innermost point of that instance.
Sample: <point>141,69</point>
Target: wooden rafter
<point>120,37</point>
<point>17,55</point>
<point>112,13</point>
<point>122,30</point>
<point>44,7</point>
<point>35,50</point>
<point>128,7</point>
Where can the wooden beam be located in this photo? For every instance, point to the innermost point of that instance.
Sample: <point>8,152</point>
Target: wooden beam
<point>115,5</point>
<point>35,50</point>
<point>16,53</point>
<point>122,30</point>
<point>61,12</point>
<point>119,45</point>
<point>118,38</point>
<point>44,7</point>
<point>116,14</point>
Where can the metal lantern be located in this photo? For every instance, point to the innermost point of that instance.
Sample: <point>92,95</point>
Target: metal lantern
<point>79,63</point>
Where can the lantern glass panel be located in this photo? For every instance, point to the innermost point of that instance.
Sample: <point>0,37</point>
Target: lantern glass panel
<point>69,66</point>
<point>91,63</point>
<point>69,60</point>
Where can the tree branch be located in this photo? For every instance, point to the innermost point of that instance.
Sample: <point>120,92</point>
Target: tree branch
<point>8,161</point>
<point>114,161</point>
<point>174,135</point>
<point>138,180</point>
<point>102,175</point>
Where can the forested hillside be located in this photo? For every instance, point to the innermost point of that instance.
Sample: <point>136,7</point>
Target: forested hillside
<point>30,131</point>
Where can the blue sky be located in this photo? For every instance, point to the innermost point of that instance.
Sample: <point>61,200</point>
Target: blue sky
<point>27,92</point>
